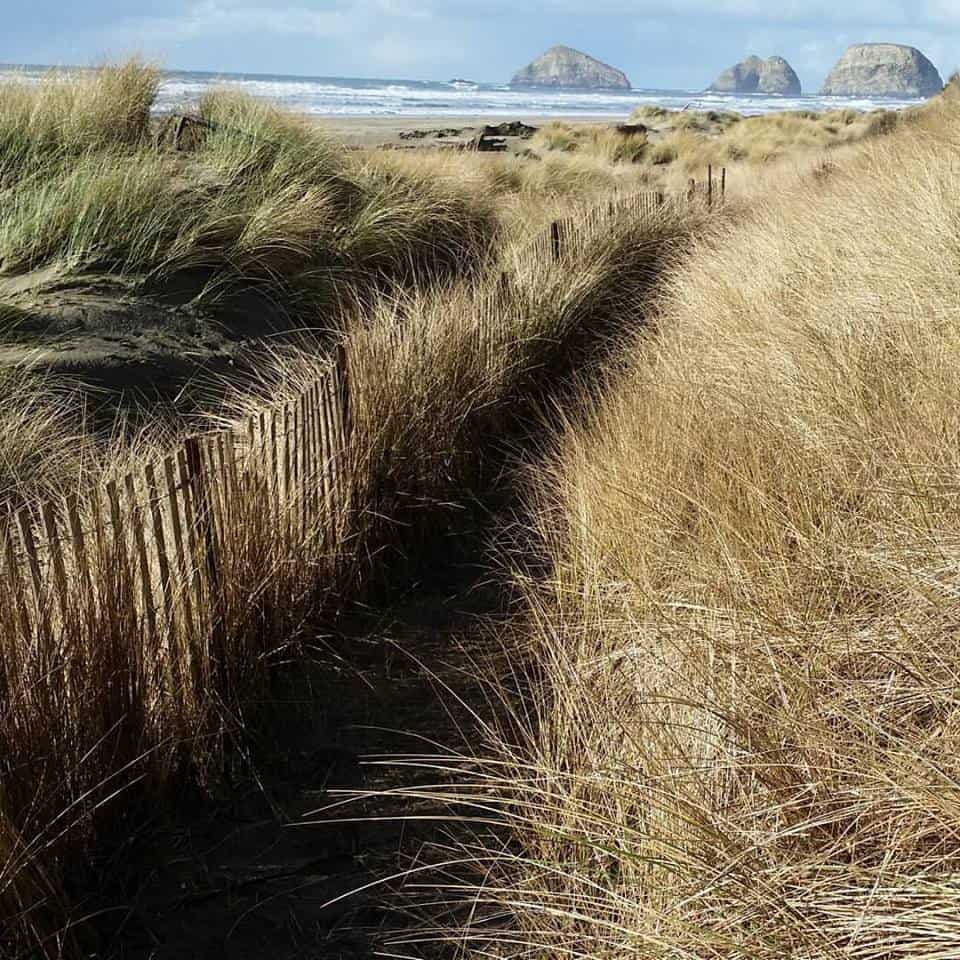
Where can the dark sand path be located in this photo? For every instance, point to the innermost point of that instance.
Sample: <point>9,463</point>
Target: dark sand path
<point>241,879</point>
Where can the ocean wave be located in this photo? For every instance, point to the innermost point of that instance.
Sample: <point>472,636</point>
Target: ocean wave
<point>392,98</point>
<point>333,96</point>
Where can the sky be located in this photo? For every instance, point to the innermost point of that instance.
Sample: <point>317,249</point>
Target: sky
<point>682,44</point>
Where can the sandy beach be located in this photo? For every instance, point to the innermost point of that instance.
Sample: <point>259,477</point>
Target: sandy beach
<point>369,132</point>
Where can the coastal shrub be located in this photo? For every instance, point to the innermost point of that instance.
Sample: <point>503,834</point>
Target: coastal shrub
<point>739,733</point>
<point>664,152</point>
<point>556,136</point>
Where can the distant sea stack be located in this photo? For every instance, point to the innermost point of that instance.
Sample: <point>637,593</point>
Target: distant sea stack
<point>883,70</point>
<point>566,67</point>
<point>772,76</point>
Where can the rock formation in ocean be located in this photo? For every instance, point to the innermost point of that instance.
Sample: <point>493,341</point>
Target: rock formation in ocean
<point>753,75</point>
<point>883,70</point>
<point>566,67</point>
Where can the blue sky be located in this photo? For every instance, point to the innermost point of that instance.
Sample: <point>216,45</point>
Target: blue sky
<point>680,44</point>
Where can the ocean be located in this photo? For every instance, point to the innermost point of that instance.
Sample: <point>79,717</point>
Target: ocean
<point>346,97</point>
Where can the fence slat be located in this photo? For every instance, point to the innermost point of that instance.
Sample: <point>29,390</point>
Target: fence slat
<point>139,542</point>
<point>337,445</point>
<point>15,581</point>
<point>326,464</point>
<point>80,547</point>
<point>119,538</point>
<point>313,473</point>
<point>160,545</point>
<point>56,560</point>
<point>199,653</point>
<point>176,526</point>
<point>329,453</point>
<point>306,480</point>
<point>212,457</point>
<point>25,522</point>
<point>321,479</point>
<point>285,504</point>
<point>203,523</point>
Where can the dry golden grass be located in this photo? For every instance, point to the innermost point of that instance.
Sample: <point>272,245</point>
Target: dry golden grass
<point>109,701</point>
<point>740,734</point>
<point>680,145</point>
<point>44,447</point>
<point>445,375</point>
<point>446,380</point>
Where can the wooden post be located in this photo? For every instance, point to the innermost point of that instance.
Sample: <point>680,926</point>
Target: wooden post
<point>334,466</point>
<point>178,131</point>
<point>555,240</point>
<point>337,403</point>
<point>323,479</point>
<point>343,394</point>
<point>692,192</point>
<point>723,183</point>
<point>710,185</point>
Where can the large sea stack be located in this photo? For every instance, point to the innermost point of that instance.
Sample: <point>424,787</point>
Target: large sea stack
<point>772,76</point>
<point>566,67</point>
<point>883,70</point>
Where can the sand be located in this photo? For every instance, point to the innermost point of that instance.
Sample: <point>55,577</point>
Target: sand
<point>370,132</point>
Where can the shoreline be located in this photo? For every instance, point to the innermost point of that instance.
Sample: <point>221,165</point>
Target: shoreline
<point>372,132</point>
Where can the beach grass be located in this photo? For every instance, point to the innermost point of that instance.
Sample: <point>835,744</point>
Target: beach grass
<point>734,733</point>
<point>456,326</point>
<point>669,147</point>
<point>257,201</point>
<point>734,433</point>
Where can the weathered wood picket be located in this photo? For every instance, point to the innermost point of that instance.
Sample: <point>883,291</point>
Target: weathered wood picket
<point>167,545</point>
<point>713,190</point>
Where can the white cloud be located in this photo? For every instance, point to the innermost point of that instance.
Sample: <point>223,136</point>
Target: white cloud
<point>222,17</point>
<point>900,13</point>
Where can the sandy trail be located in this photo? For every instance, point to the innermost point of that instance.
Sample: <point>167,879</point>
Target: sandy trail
<point>240,879</point>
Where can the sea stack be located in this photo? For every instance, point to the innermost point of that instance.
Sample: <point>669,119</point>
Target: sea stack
<point>883,70</point>
<point>773,76</point>
<point>565,67</point>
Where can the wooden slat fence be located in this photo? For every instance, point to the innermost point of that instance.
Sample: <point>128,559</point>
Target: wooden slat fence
<point>183,548</point>
<point>565,233</point>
